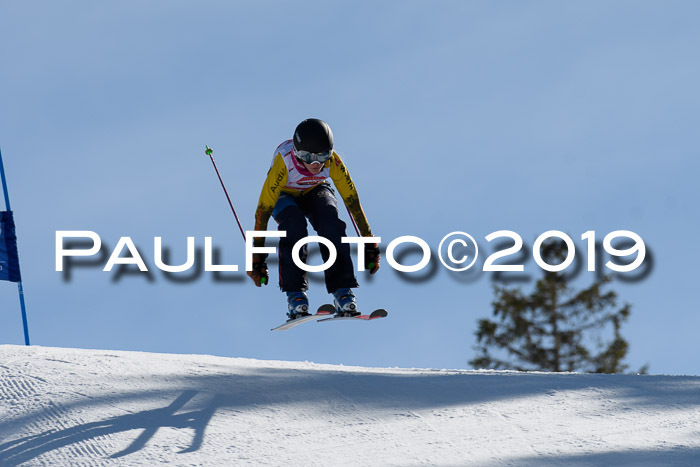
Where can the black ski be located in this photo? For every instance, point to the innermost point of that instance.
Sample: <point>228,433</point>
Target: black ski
<point>376,314</point>
<point>325,313</point>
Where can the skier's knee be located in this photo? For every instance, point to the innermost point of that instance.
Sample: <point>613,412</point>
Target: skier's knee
<point>332,229</point>
<point>294,225</point>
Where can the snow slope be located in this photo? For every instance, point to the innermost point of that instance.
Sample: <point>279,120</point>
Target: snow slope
<point>87,407</point>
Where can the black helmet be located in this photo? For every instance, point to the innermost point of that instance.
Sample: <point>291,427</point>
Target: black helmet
<point>313,135</point>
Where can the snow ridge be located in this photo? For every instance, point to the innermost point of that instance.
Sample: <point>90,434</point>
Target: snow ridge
<point>90,407</point>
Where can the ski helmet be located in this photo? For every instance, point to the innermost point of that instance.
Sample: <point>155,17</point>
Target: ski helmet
<point>313,135</point>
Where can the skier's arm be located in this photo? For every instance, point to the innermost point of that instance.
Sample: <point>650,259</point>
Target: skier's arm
<point>346,188</point>
<point>276,179</point>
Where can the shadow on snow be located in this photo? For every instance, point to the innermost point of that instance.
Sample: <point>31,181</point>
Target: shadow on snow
<point>198,398</point>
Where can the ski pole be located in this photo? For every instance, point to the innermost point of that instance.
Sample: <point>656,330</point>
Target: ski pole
<point>370,265</point>
<point>209,151</point>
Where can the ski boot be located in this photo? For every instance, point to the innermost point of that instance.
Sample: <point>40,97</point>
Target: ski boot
<point>298,305</point>
<point>345,303</point>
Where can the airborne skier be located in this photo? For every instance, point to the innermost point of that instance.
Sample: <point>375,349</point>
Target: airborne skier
<point>297,188</point>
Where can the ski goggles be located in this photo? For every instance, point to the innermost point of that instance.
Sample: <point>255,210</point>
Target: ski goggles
<point>312,157</point>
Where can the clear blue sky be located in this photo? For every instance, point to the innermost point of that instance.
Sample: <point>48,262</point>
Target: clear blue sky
<point>474,116</point>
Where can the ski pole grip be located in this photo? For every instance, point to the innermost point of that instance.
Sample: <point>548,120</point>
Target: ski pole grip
<point>208,151</point>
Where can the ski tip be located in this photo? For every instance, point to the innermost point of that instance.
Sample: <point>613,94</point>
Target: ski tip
<point>327,308</point>
<point>380,313</point>
<point>293,323</point>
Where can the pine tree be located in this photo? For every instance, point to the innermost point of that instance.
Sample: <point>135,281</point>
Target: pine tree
<point>554,328</point>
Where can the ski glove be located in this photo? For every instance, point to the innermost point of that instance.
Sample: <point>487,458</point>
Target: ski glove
<point>372,257</point>
<point>259,272</point>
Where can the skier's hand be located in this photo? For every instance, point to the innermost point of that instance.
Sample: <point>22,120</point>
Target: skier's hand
<point>259,272</point>
<point>372,257</point>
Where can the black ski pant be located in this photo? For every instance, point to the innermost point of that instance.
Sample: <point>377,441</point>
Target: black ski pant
<point>320,206</point>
